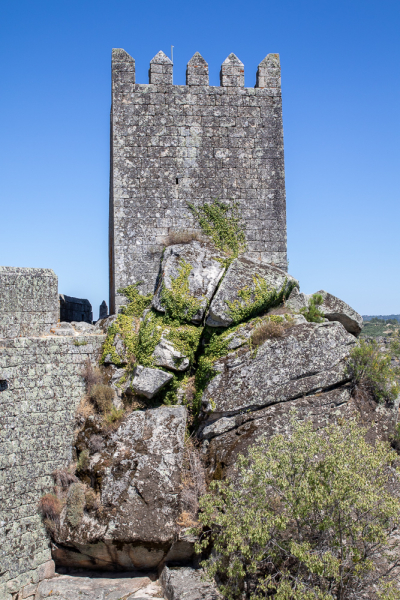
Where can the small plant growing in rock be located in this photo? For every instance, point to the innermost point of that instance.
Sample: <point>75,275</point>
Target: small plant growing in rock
<point>50,507</point>
<point>75,504</point>
<point>193,483</point>
<point>312,313</point>
<point>272,327</point>
<point>102,396</point>
<point>371,371</point>
<point>92,375</point>
<point>114,415</point>
<point>223,225</point>
<point>83,460</point>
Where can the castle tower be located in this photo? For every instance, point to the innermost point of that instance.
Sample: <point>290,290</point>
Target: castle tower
<point>173,144</point>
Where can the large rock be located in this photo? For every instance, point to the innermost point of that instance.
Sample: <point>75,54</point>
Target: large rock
<point>185,583</point>
<point>147,382</point>
<point>239,275</point>
<point>332,308</point>
<point>137,475</point>
<point>203,278</point>
<point>225,438</point>
<point>307,358</point>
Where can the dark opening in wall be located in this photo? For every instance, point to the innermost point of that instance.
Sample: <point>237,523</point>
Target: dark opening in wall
<point>3,385</point>
<point>177,181</point>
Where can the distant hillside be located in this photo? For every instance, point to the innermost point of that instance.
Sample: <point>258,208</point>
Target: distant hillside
<point>384,317</point>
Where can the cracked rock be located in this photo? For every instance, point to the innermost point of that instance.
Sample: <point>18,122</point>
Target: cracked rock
<point>203,278</point>
<point>239,275</point>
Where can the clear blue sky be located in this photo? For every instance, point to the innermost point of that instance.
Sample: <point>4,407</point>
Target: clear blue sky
<point>341,109</point>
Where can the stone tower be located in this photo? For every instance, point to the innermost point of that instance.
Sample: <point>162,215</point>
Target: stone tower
<point>173,144</point>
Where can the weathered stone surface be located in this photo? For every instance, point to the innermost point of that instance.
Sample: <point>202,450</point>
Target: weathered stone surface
<point>185,583</point>
<point>137,474</point>
<point>63,328</point>
<point>240,275</point>
<point>232,436</point>
<point>204,276</point>
<point>178,143</point>
<point>75,309</point>
<point>147,382</point>
<point>28,301</point>
<point>308,357</point>
<point>44,388</point>
<point>166,355</point>
<point>99,586</point>
<point>332,307</point>
<point>120,350</point>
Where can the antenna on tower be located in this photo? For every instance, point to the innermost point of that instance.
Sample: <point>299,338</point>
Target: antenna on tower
<point>172,53</point>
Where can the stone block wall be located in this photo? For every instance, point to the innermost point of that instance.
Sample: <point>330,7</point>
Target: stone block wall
<point>40,388</point>
<point>28,301</point>
<point>75,309</point>
<point>175,144</point>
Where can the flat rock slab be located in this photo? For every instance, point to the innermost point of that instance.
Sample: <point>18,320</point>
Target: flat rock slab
<point>203,278</point>
<point>147,382</point>
<point>106,587</point>
<point>307,358</point>
<point>184,583</point>
<point>241,274</point>
<point>332,308</point>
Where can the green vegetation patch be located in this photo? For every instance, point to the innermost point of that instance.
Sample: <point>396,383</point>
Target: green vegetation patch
<point>253,302</point>
<point>309,515</point>
<point>179,304</point>
<point>312,313</point>
<point>371,370</point>
<point>136,302</point>
<point>223,225</point>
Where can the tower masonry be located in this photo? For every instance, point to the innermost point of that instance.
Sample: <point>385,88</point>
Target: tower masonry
<point>174,144</point>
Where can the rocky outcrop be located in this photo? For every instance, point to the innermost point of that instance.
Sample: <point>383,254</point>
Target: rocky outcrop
<point>307,358</point>
<point>226,438</point>
<point>137,476</point>
<point>204,276</point>
<point>240,275</point>
<point>187,584</point>
<point>332,308</point>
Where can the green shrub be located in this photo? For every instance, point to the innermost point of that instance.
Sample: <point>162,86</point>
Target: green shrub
<point>114,415</point>
<point>75,504</point>
<point>83,461</point>
<point>179,304</point>
<point>370,369</point>
<point>102,396</point>
<point>312,313</point>
<point>253,302</point>
<point>223,225</point>
<point>309,516</point>
<point>136,302</point>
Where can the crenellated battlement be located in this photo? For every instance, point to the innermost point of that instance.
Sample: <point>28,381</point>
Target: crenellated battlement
<point>231,74</point>
<point>174,144</point>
